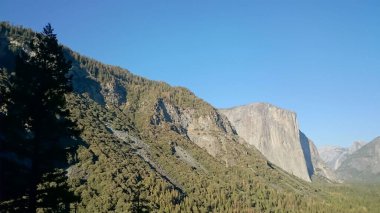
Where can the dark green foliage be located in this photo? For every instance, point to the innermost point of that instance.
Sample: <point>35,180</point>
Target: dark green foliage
<point>4,88</point>
<point>108,175</point>
<point>37,129</point>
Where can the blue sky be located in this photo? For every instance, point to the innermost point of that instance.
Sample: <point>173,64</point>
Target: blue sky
<point>320,59</point>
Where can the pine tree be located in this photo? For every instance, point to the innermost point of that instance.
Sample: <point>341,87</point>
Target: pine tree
<point>37,130</point>
<point>140,204</point>
<point>4,89</point>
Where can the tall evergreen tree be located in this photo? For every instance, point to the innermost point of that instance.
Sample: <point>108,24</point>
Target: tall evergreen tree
<point>4,88</point>
<point>37,128</point>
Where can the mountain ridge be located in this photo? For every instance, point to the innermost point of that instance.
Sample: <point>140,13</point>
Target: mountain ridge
<point>335,155</point>
<point>362,165</point>
<point>142,145</point>
<point>172,123</point>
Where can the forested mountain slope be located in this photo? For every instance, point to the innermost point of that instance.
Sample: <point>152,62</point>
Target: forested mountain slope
<point>147,146</point>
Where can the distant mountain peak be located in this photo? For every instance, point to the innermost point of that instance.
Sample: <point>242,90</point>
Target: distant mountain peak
<point>334,155</point>
<point>356,145</point>
<point>363,163</point>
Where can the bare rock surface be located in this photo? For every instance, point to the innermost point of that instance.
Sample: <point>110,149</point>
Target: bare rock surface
<point>274,132</point>
<point>209,130</point>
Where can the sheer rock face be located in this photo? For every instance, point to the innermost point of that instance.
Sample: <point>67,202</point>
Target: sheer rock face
<point>315,164</point>
<point>274,132</point>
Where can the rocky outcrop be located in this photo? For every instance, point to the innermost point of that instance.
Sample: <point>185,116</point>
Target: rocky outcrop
<point>114,93</point>
<point>209,130</point>
<point>109,93</point>
<point>363,164</point>
<point>274,132</point>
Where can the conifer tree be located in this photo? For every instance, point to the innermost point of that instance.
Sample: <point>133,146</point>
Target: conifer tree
<point>37,130</point>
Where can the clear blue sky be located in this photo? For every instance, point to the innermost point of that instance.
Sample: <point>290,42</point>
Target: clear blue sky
<point>318,58</point>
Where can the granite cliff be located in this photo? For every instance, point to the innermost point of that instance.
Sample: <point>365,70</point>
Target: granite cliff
<point>274,132</point>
